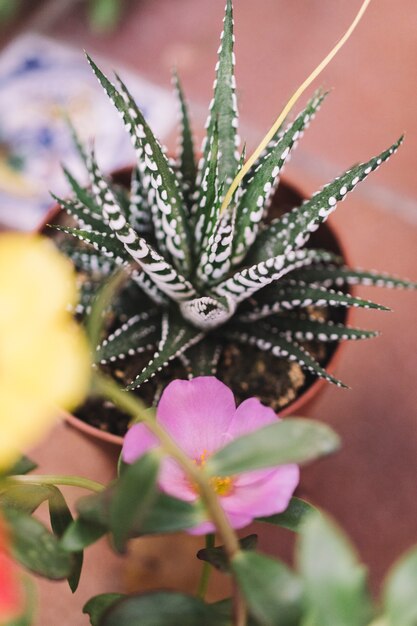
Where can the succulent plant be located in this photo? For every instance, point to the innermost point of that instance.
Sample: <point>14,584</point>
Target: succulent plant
<point>203,269</point>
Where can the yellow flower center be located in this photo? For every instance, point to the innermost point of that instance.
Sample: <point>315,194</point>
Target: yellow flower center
<point>222,485</point>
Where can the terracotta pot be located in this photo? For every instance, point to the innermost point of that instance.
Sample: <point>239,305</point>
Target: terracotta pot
<point>286,197</point>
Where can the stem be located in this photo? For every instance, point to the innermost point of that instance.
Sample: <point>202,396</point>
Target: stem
<point>56,479</point>
<point>206,571</point>
<point>240,615</point>
<point>132,405</point>
<point>289,105</point>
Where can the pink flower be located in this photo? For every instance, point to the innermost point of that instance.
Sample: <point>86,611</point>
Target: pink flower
<point>201,416</point>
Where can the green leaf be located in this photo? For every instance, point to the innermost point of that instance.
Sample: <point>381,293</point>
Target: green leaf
<point>224,610</point>
<point>280,347</point>
<point>139,212</point>
<point>61,519</point>
<point>88,261</point>
<point>293,440</point>
<point>260,188</point>
<point>97,606</point>
<point>203,358</point>
<point>288,295</point>
<point>400,599</point>
<point>37,549</point>
<point>272,592</point>
<point>177,337</point>
<point>166,515</point>
<point>105,243</point>
<point>84,218</point>
<point>332,275</point>
<point>335,582</point>
<point>215,261</point>
<point>217,556</point>
<point>186,156</point>
<point>135,336</point>
<point>206,207</point>
<point>163,274</point>
<point>303,329</point>
<point>223,108</point>
<point>169,515</point>
<point>147,285</point>
<point>170,216</point>
<point>160,608</point>
<point>293,517</point>
<point>243,284</point>
<point>293,230</point>
<point>83,195</point>
<point>23,466</point>
<point>23,497</point>
<point>80,534</point>
<point>133,496</point>
<point>105,14</point>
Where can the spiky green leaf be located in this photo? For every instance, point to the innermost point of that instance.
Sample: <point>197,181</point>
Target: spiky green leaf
<point>244,284</point>
<point>288,295</point>
<point>206,203</point>
<point>139,334</point>
<point>106,243</point>
<point>280,347</point>
<point>223,107</point>
<point>303,329</point>
<point>84,218</point>
<point>216,258</point>
<point>203,358</point>
<point>169,213</point>
<point>328,275</point>
<point>294,229</point>
<point>186,155</point>
<point>259,190</point>
<point>139,212</point>
<point>176,338</point>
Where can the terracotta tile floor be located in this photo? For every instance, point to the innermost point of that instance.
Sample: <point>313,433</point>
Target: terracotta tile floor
<point>370,485</point>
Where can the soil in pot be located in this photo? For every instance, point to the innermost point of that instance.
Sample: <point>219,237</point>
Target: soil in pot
<point>247,370</point>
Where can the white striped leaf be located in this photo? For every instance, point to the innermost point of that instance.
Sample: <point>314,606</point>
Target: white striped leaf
<point>186,158</point>
<point>327,275</point>
<point>138,334</point>
<point>259,190</point>
<point>245,283</point>
<point>223,108</point>
<point>303,329</point>
<point>279,347</point>
<point>176,338</point>
<point>293,230</point>
<point>165,196</point>
<point>290,295</point>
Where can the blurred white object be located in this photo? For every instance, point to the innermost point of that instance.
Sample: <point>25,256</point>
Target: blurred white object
<point>41,81</point>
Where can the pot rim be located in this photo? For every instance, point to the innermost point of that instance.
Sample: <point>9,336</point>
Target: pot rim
<point>293,408</point>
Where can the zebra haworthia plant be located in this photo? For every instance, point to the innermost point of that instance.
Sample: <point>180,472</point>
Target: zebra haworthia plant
<point>203,270</point>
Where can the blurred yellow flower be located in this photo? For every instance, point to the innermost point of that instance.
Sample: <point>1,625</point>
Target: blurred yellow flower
<point>44,355</point>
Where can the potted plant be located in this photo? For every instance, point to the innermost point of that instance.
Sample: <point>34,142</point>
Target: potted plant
<point>221,276</point>
<point>201,463</point>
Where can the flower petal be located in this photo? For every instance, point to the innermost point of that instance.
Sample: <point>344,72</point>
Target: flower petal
<point>174,482</point>
<point>197,413</point>
<point>250,416</point>
<point>236,522</point>
<point>138,440</point>
<point>267,496</point>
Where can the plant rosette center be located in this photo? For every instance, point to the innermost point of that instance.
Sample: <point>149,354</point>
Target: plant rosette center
<point>201,416</point>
